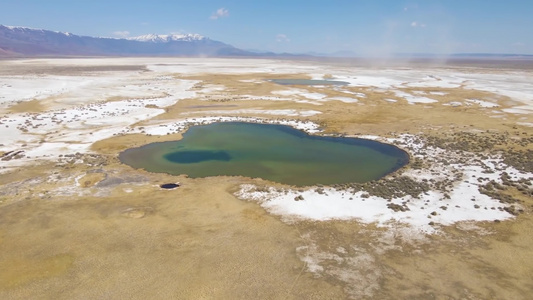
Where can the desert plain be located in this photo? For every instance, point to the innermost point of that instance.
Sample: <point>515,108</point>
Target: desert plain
<point>76,223</point>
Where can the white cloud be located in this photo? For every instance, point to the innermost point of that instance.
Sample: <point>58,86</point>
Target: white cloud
<point>220,13</point>
<point>121,34</point>
<point>417,24</point>
<point>282,38</point>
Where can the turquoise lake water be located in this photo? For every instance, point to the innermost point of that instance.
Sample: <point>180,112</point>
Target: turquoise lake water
<point>273,152</point>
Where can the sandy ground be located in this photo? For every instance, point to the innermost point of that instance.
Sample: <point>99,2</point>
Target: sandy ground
<point>75,223</point>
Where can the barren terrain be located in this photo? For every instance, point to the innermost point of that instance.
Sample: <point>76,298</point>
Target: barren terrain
<point>75,223</point>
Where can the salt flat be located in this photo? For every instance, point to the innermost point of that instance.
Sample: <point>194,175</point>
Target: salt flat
<point>464,202</point>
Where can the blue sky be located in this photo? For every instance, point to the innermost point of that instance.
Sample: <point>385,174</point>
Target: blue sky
<point>366,27</point>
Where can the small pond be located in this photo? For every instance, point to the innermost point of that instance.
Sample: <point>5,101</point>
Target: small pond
<point>308,82</point>
<point>274,152</point>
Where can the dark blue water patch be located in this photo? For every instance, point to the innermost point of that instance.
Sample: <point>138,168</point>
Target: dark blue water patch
<point>308,82</point>
<point>191,157</point>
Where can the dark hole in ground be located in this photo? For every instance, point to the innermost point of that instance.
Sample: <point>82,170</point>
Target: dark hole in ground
<point>169,185</point>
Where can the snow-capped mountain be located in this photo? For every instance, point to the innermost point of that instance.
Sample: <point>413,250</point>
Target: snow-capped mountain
<point>22,41</point>
<point>164,38</point>
<point>23,30</point>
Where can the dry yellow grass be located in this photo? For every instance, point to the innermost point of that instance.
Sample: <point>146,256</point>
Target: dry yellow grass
<point>28,106</point>
<point>118,235</point>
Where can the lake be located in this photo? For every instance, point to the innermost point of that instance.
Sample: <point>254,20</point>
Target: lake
<point>274,152</point>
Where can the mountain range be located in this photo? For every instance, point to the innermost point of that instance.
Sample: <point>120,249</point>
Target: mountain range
<point>28,42</point>
<point>22,41</point>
